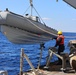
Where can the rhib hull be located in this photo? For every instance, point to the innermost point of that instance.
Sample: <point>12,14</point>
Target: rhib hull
<point>18,36</point>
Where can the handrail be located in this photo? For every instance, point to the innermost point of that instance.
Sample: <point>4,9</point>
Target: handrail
<point>62,57</point>
<point>29,62</point>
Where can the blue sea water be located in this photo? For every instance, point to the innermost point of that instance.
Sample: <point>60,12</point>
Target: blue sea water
<point>10,53</point>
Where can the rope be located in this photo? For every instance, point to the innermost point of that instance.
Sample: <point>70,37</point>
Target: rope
<point>41,28</point>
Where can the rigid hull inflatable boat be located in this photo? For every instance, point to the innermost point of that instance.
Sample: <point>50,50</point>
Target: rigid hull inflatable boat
<point>26,29</point>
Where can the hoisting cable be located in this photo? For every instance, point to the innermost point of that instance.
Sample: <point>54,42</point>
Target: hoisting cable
<point>31,4</point>
<point>26,10</point>
<point>39,15</point>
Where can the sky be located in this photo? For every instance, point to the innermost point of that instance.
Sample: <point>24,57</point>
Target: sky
<point>57,15</point>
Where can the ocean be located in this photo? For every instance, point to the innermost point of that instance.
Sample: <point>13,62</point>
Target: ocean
<point>10,53</point>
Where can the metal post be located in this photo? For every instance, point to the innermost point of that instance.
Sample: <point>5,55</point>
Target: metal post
<point>40,58</point>
<point>21,62</point>
<point>29,62</point>
<point>31,4</point>
<point>63,63</point>
<point>50,54</point>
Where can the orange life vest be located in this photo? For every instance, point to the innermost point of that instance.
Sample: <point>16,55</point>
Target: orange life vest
<point>62,41</point>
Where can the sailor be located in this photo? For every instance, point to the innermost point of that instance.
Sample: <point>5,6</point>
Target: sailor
<point>60,45</point>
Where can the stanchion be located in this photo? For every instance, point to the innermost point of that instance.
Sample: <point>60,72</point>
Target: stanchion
<point>21,62</point>
<point>29,62</point>
<point>41,48</point>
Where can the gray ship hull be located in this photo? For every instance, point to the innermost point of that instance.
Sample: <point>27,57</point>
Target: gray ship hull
<point>71,2</point>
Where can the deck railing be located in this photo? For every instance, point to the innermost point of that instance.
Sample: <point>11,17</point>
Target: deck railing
<point>23,55</point>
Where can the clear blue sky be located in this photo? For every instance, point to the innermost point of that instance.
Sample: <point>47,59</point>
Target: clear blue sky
<point>57,15</point>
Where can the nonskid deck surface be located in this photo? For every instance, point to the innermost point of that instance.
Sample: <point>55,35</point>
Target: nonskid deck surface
<point>50,73</point>
<point>52,70</point>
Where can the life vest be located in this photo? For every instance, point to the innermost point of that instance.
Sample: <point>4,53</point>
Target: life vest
<point>62,41</point>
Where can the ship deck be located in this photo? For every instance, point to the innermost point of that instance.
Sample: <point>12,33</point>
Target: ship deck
<point>52,69</point>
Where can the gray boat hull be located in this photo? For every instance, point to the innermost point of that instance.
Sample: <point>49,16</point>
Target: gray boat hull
<point>23,30</point>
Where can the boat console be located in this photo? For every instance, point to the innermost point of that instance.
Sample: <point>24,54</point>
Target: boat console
<point>34,18</point>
